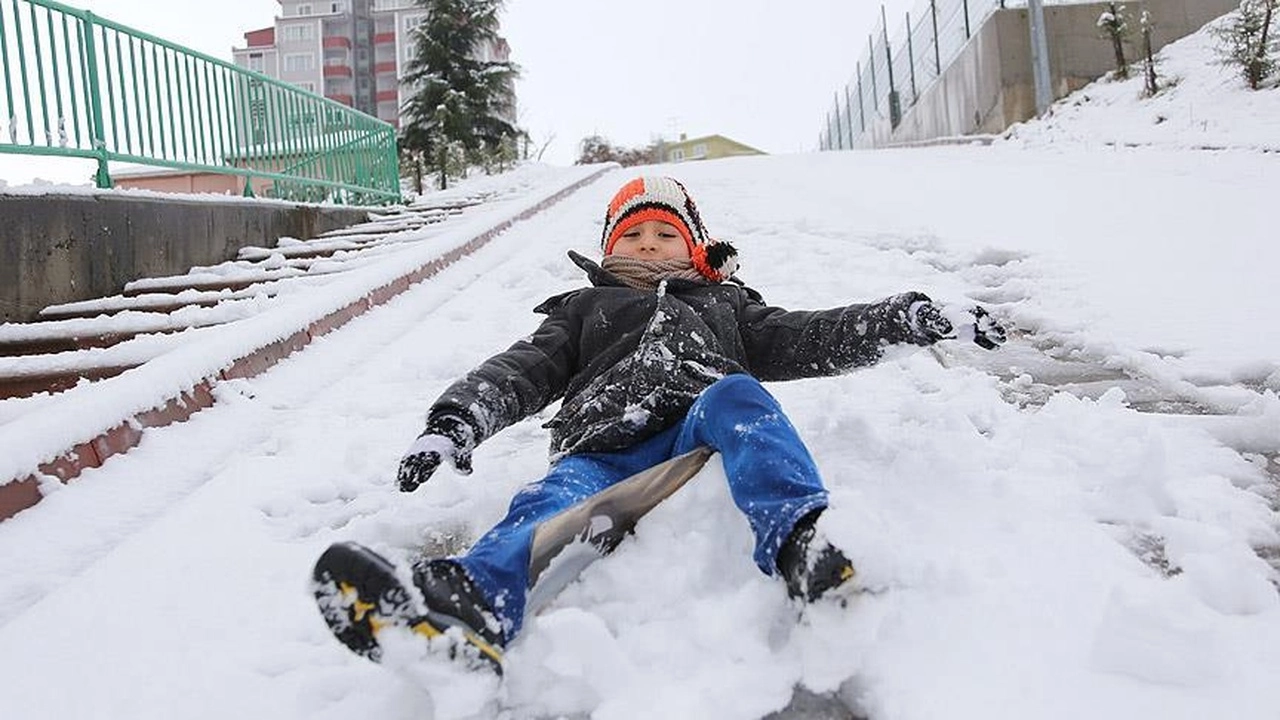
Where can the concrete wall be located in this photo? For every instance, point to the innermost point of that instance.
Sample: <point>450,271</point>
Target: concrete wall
<point>62,248</point>
<point>990,86</point>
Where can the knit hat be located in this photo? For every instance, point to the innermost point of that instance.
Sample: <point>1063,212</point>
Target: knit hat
<point>664,199</point>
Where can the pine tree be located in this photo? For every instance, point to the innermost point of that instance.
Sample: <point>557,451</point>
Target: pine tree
<point>460,103</point>
<point>1247,41</point>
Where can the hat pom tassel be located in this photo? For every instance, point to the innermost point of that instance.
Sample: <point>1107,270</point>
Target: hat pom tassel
<point>716,261</point>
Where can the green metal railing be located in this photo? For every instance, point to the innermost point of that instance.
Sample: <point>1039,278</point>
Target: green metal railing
<point>78,85</point>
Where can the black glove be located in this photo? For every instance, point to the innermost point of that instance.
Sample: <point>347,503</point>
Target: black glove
<point>929,322</point>
<point>447,436</point>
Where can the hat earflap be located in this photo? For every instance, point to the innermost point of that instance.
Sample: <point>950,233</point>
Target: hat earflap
<point>717,260</point>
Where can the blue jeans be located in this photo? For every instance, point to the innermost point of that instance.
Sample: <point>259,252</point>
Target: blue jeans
<point>772,478</point>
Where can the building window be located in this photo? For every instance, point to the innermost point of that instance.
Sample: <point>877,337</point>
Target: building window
<point>337,7</point>
<point>304,10</point>
<point>255,62</point>
<point>410,51</point>
<point>299,62</point>
<point>700,150</point>
<point>411,22</point>
<point>677,155</point>
<point>299,33</point>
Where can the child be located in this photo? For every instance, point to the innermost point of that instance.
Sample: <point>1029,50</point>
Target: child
<point>664,352</point>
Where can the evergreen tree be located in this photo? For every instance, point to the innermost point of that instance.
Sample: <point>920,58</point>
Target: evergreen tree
<point>460,102</point>
<point>1247,40</point>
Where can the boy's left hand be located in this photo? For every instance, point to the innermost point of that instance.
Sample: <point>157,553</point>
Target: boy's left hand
<point>974,324</point>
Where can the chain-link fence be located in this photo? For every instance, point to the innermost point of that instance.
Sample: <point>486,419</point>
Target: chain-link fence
<point>899,65</point>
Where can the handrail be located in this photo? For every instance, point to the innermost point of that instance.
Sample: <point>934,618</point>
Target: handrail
<point>79,85</point>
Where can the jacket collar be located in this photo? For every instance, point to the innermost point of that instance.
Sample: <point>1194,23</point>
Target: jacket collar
<point>596,274</point>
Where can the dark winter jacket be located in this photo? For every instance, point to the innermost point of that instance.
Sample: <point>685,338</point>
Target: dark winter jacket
<point>629,363</point>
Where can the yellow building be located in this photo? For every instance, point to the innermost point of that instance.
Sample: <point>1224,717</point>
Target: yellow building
<point>708,147</point>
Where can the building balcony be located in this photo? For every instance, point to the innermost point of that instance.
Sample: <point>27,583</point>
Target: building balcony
<point>338,71</point>
<point>384,38</point>
<point>265,37</point>
<point>382,68</point>
<point>349,100</point>
<point>388,96</point>
<point>336,41</point>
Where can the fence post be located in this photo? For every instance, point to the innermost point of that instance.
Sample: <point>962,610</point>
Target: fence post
<point>862,109</point>
<point>837,137</point>
<point>911,62</point>
<point>871,58</point>
<point>895,103</point>
<point>103,176</point>
<point>937,51</point>
<point>848,111</point>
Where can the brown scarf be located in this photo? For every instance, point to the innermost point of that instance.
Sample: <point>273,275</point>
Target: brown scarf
<point>646,274</point>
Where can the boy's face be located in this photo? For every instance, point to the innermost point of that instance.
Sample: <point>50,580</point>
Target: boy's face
<point>652,240</point>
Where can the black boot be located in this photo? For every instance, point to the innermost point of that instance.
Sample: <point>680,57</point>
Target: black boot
<point>453,600</point>
<point>811,570</point>
<point>359,595</point>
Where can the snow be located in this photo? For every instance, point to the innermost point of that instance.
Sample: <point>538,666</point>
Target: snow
<point>1072,526</point>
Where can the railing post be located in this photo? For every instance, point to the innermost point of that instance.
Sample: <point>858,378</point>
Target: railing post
<point>968,33</point>
<point>103,176</point>
<point>8,82</point>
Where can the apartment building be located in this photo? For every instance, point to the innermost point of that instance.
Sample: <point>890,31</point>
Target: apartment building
<point>351,51</point>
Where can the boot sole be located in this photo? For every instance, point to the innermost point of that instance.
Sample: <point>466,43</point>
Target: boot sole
<point>360,596</point>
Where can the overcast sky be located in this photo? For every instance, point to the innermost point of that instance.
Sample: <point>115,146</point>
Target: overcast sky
<point>761,72</point>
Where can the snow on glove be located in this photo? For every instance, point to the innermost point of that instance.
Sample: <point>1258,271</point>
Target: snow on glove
<point>972,324</point>
<point>447,437</point>
<point>982,329</point>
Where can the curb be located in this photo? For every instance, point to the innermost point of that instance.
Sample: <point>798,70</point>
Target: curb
<point>24,492</point>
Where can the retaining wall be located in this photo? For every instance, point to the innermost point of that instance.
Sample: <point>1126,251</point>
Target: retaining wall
<point>63,248</point>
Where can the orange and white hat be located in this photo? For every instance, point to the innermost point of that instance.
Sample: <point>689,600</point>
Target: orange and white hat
<point>664,199</point>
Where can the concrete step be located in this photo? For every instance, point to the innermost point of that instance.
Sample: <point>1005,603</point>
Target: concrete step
<point>26,385</point>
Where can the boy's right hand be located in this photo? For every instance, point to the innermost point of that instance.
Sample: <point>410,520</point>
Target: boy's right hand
<point>447,436</point>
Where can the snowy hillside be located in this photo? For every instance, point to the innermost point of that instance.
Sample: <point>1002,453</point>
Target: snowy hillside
<point>1202,104</point>
<point>1082,524</point>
